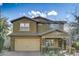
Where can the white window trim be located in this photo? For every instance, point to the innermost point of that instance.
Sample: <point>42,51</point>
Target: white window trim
<point>26,27</point>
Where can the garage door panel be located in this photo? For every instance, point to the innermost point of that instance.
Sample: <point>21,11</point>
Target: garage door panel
<point>27,44</point>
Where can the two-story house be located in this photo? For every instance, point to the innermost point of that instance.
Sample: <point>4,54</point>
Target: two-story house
<point>33,34</point>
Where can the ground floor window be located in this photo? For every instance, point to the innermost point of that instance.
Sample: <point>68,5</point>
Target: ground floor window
<point>49,42</point>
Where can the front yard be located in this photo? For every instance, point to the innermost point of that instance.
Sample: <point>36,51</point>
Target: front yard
<point>18,53</point>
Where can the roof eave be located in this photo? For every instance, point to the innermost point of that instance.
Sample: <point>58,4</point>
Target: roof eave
<point>21,18</point>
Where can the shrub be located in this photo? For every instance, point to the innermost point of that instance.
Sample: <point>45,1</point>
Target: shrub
<point>50,51</point>
<point>77,45</point>
<point>1,43</point>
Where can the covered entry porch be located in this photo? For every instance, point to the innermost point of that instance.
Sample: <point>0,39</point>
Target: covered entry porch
<point>54,39</point>
<point>54,43</point>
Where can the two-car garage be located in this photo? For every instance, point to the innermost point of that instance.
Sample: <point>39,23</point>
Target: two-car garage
<point>27,44</point>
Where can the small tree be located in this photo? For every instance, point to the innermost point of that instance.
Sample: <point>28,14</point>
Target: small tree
<point>3,31</point>
<point>73,28</point>
<point>76,25</point>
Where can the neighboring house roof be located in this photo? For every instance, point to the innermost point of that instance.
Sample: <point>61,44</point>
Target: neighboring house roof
<point>35,34</point>
<point>42,20</point>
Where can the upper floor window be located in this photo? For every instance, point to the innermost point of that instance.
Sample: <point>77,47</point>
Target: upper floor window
<point>56,26</point>
<point>24,27</point>
<point>40,24</point>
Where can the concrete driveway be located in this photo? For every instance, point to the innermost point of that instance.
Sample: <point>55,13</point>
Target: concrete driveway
<point>16,53</point>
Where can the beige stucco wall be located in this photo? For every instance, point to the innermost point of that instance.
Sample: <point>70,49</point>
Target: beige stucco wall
<point>27,44</point>
<point>12,43</point>
<point>43,27</point>
<point>16,25</point>
<point>55,42</point>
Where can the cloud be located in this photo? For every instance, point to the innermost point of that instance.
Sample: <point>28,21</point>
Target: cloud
<point>1,4</point>
<point>37,13</point>
<point>33,13</point>
<point>43,15</point>
<point>67,16</point>
<point>54,13</point>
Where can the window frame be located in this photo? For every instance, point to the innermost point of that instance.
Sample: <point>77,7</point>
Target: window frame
<point>24,27</point>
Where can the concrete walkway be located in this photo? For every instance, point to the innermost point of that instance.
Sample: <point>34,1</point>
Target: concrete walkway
<point>15,53</point>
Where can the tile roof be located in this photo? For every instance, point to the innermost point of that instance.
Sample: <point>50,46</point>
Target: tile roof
<point>23,17</point>
<point>40,20</point>
<point>45,20</point>
<point>34,33</point>
<point>24,34</point>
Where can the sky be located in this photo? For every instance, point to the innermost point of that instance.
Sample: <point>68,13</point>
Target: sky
<point>52,11</point>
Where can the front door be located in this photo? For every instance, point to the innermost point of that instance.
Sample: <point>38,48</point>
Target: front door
<point>60,43</point>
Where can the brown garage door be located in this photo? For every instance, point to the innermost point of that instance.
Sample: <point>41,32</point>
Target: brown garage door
<point>27,44</point>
